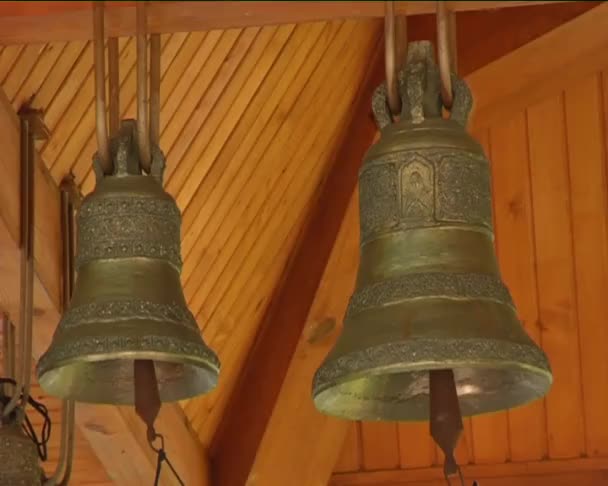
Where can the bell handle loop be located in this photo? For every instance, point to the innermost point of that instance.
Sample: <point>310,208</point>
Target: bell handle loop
<point>395,45</point>
<point>446,51</point>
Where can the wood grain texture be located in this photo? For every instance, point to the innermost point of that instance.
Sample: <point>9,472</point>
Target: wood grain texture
<point>516,253</point>
<point>536,476</point>
<point>273,349</point>
<point>588,188</point>
<point>555,270</point>
<point>547,65</point>
<point>310,458</point>
<point>39,22</point>
<point>350,454</point>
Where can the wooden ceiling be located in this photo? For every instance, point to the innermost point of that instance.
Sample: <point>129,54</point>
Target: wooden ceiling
<point>252,121</point>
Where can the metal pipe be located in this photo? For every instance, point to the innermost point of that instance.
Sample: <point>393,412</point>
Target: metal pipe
<point>100,86</point>
<point>69,193</point>
<point>26,303</point>
<point>143,139</point>
<point>154,89</point>
<point>446,48</point>
<point>8,352</point>
<point>390,59</point>
<point>114,88</point>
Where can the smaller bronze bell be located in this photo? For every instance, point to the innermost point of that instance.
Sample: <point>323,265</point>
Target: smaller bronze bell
<point>19,464</point>
<point>128,303</point>
<point>429,294</point>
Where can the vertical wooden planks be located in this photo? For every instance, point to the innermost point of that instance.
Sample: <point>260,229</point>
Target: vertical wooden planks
<point>489,432</point>
<point>416,447</point>
<point>350,455</point>
<point>516,254</point>
<point>586,155</point>
<point>554,265</point>
<point>380,445</point>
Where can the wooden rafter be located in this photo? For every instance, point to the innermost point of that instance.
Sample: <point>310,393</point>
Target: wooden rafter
<point>234,447</point>
<point>29,22</point>
<point>115,433</point>
<point>293,419</point>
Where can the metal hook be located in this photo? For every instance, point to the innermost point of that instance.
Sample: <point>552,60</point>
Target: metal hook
<point>460,476</point>
<point>446,51</point>
<point>395,44</point>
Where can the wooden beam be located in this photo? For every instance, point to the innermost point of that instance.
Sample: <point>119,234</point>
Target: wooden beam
<point>236,442</point>
<point>115,434</point>
<point>292,419</point>
<point>300,446</point>
<point>579,471</point>
<point>486,35</point>
<point>545,65</point>
<point>32,22</point>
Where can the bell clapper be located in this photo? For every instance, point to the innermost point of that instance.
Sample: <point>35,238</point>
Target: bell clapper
<point>446,420</point>
<point>147,397</point>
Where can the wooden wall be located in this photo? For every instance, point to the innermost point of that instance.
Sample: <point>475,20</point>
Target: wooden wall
<point>549,169</point>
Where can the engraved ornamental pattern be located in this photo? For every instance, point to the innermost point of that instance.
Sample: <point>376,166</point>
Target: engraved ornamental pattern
<point>424,188</point>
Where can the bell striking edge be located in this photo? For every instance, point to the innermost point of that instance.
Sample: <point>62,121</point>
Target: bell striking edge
<point>128,303</point>
<point>428,294</point>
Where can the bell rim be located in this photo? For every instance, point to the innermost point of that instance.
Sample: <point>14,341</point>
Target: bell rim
<point>320,394</point>
<point>210,367</point>
<point>398,358</point>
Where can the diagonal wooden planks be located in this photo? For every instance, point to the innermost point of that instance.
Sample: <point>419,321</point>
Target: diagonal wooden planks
<point>270,357</point>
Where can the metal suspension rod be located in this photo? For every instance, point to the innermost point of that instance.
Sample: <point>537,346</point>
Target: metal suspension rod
<point>446,51</point>
<point>8,351</point>
<point>154,89</point>
<point>100,86</point>
<point>143,136</point>
<point>395,47</point>
<point>69,195</point>
<point>22,389</point>
<point>114,82</point>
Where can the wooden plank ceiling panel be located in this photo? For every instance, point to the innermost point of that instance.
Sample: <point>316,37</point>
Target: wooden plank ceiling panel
<point>263,224</point>
<point>249,120</point>
<point>549,168</point>
<point>516,255</point>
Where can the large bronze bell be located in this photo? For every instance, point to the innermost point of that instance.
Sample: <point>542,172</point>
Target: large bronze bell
<point>19,464</point>
<point>429,294</point>
<point>128,303</point>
